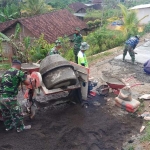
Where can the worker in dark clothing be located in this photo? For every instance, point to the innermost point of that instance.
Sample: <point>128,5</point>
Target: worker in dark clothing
<point>55,50</point>
<point>130,45</point>
<point>147,67</point>
<point>77,39</point>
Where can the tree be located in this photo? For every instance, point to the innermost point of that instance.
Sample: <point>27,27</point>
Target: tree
<point>130,21</point>
<point>9,12</point>
<point>35,7</point>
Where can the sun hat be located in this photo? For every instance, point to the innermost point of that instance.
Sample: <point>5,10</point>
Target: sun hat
<point>84,46</point>
<point>15,61</point>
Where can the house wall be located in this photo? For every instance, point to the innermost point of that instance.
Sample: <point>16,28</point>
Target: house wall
<point>97,6</point>
<point>143,12</point>
<point>82,10</point>
<point>7,48</point>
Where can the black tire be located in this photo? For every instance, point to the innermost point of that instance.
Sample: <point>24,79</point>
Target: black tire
<point>103,90</point>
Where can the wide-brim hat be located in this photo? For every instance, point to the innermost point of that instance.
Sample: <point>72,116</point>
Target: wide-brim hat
<point>84,46</point>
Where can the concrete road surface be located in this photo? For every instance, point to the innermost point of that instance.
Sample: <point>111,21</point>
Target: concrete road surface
<point>143,54</point>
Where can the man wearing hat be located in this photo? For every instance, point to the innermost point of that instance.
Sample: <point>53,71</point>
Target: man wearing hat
<point>130,45</point>
<point>77,39</point>
<point>11,110</point>
<point>55,50</point>
<point>81,55</point>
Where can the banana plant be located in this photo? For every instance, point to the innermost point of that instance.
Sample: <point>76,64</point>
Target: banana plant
<point>9,12</point>
<point>130,21</point>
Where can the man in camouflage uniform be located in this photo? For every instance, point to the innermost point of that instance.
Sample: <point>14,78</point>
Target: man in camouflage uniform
<point>11,110</point>
<point>130,45</point>
<point>77,39</point>
<point>55,50</point>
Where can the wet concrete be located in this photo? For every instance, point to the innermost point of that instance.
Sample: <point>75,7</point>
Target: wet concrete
<point>143,53</point>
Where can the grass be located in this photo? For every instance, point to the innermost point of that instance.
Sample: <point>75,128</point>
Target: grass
<point>146,137</point>
<point>142,106</point>
<point>131,148</point>
<point>93,58</point>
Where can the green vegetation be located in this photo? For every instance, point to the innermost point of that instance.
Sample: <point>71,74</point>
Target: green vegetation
<point>131,148</point>
<point>98,56</point>
<point>5,66</point>
<point>60,4</point>
<point>9,12</point>
<point>147,133</point>
<point>35,7</point>
<point>103,39</point>
<point>130,21</point>
<point>147,28</point>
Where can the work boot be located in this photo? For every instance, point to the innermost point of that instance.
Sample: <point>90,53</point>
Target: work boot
<point>134,63</point>
<point>8,129</point>
<point>24,128</point>
<point>123,59</point>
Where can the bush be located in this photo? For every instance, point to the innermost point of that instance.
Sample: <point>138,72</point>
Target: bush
<point>103,39</point>
<point>90,24</point>
<point>97,22</point>
<point>147,28</point>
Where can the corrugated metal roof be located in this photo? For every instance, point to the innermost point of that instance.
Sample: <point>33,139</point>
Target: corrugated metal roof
<point>140,6</point>
<point>89,4</point>
<point>80,14</point>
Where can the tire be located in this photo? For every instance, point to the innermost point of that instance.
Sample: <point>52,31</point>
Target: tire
<point>103,90</point>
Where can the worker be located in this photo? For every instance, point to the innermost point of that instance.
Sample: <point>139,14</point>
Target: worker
<point>77,39</point>
<point>147,67</point>
<point>11,110</point>
<point>55,50</point>
<point>130,45</point>
<point>81,55</point>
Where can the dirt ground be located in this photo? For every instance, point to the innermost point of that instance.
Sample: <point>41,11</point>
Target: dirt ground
<point>101,126</point>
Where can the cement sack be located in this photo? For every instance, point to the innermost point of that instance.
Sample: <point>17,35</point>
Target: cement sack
<point>130,106</point>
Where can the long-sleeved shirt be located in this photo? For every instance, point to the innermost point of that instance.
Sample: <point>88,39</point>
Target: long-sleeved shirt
<point>147,66</point>
<point>132,41</point>
<point>77,39</point>
<point>82,59</point>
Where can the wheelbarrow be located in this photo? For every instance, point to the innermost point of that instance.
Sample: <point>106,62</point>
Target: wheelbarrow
<point>115,84</point>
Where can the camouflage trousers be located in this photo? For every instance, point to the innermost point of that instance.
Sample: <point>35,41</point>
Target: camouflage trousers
<point>11,113</point>
<point>76,51</point>
<point>129,49</point>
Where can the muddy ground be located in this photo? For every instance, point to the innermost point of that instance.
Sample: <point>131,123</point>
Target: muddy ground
<point>101,126</point>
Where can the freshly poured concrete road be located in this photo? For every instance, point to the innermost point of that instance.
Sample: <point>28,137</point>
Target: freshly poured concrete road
<point>143,54</point>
